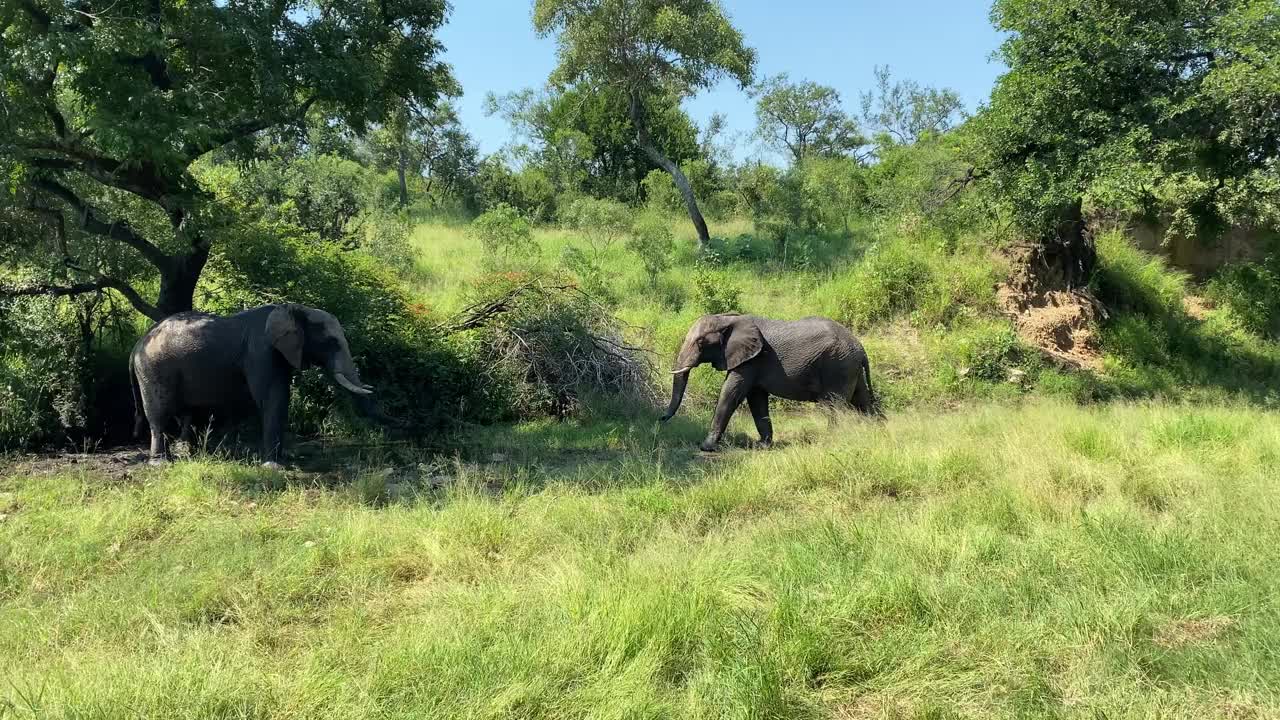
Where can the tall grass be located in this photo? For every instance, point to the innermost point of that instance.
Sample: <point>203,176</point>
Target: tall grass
<point>1039,561</point>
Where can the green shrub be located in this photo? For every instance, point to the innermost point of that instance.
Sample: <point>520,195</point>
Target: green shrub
<point>652,241</point>
<point>504,232</point>
<point>591,277</point>
<point>1251,293</point>
<point>41,393</point>
<point>889,282</point>
<point>601,222</point>
<point>422,376</point>
<point>715,292</point>
<point>332,199</point>
<point>989,351</point>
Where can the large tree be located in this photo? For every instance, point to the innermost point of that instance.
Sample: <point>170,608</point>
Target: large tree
<point>610,163</point>
<point>653,52</point>
<point>107,106</point>
<point>428,143</point>
<point>804,118</point>
<point>908,111</point>
<point>1181,94</point>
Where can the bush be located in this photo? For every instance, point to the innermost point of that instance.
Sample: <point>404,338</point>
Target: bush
<point>590,275</point>
<point>41,372</point>
<point>504,232</point>
<point>890,281</point>
<point>422,375</point>
<point>988,351</point>
<point>530,191</point>
<point>1251,293</point>
<point>714,292</point>
<point>601,222</point>
<point>63,376</point>
<point>333,199</point>
<point>652,242</point>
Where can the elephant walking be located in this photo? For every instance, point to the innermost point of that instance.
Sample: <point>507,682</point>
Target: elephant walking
<point>195,361</point>
<point>812,360</point>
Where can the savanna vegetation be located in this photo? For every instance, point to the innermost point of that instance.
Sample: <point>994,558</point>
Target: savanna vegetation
<point>1070,295</point>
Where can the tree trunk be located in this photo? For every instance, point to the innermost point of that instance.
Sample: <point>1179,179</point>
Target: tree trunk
<point>1062,260</point>
<point>178,283</point>
<point>404,187</point>
<point>662,161</point>
<point>1070,255</point>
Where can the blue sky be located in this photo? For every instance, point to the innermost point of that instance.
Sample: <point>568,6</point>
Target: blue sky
<point>492,47</point>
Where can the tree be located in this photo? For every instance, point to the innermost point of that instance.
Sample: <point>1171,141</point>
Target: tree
<point>426,142</point>
<point>804,118</point>
<point>907,111</point>
<point>652,52</point>
<point>592,129</point>
<point>1179,95</point>
<point>107,108</point>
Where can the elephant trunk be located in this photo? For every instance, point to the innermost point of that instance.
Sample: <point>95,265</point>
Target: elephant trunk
<point>678,383</point>
<point>343,370</point>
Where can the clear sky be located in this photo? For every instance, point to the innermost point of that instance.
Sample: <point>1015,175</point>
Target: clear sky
<point>492,47</point>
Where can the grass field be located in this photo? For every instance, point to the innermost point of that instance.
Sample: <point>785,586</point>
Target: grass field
<point>1034,561</point>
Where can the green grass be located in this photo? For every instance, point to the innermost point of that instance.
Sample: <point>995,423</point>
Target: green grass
<point>983,553</point>
<point>1034,561</point>
<point>917,307</point>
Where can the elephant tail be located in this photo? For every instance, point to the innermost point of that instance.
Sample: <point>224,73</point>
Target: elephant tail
<point>138,416</point>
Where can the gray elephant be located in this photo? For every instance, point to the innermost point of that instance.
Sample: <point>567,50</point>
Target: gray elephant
<point>813,360</point>
<point>193,361</point>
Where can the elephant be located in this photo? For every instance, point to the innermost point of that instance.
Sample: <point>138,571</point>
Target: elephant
<point>813,359</point>
<point>193,362</point>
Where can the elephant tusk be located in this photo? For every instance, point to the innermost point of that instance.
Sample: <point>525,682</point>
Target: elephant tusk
<point>681,372</point>
<point>350,386</point>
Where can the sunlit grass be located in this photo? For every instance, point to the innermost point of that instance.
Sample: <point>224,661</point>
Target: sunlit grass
<point>1001,562</point>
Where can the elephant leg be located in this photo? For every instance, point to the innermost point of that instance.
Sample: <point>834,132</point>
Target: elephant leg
<point>732,393</point>
<point>157,407</point>
<point>758,401</point>
<point>275,415</point>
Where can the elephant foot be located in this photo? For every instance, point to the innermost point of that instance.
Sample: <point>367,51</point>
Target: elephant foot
<point>158,462</point>
<point>708,446</point>
<point>765,444</point>
<point>272,466</point>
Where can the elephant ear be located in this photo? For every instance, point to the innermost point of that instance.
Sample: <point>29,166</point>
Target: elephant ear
<point>285,335</point>
<point>744,343</point>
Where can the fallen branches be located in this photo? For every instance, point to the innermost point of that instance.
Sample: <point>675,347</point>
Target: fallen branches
<point>554,344</point>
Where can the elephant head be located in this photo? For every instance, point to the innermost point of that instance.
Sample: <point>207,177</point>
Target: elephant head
<point>725,341</point>
<point>307,337</point>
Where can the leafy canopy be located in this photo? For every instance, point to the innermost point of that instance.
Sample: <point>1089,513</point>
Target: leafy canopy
<point>586,139</point>
<point>803,118</point>
<point>653,48</point>
<point>106,108</point>
<point>1160,106</point>
<point>907,111</point>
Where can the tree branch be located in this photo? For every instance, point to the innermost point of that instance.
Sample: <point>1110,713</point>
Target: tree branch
<point>144,181</point>
<point>242,129</point>
<point>102,283</point>
<point>92,221</point>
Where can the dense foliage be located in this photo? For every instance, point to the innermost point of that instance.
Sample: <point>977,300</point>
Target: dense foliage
<point>1159,109</point>
<point>108,109</point>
